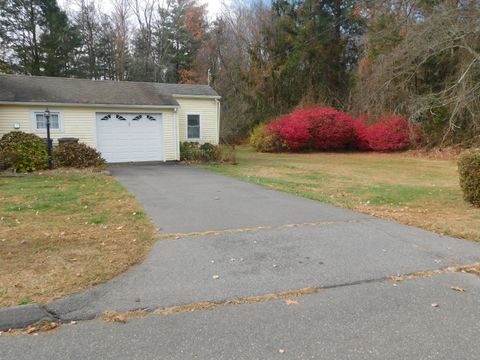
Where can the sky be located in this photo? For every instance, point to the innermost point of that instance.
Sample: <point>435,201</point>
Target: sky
<point>213,6</point>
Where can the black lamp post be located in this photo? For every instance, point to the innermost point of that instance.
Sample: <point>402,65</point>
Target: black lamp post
<point>49,141</point>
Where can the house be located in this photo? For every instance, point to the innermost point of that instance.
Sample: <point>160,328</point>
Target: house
<point>125,121</point>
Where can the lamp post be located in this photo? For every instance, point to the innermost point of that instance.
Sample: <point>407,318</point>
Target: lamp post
<point>49,141</point>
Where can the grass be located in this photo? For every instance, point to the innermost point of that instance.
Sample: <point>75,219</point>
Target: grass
<point>412,190</point>
<point>62,233</point>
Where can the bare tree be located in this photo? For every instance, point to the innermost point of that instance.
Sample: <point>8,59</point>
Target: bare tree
<point>87,20</point>
<point>144,64</point>
<point>431,75</point>
<point>121,25</point>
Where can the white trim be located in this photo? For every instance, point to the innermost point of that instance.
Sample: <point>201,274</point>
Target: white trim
<point>217,102</point>
<point>128,112</point>
<point>177,134</point>
<point>199,126</point>
<point>89,105</point>
<point>34,113</point>
<point>198,96</point>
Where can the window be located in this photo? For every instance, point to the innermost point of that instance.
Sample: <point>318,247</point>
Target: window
<point>193,126</point>
<point>151,118</point>
<point>40,122</point>
<point>137,118</point>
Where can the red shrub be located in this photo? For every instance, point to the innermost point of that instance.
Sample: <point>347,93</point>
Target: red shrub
<point>391,133</point>
<point>361,134</point>
<point>320,128</point>
<point>331,129</point>
<point>293,131</point>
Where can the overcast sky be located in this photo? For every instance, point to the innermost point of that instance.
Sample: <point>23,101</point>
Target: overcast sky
<point>213,6</point>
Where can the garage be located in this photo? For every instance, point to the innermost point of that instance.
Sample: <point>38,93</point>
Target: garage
<point>126,137</point>
<point>125,121</point>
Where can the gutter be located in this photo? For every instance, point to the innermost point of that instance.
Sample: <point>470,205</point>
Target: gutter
<point>217,97</point>
<point>89,105</point>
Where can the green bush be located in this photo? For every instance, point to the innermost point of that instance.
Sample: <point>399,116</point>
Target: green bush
<point>209,152</point>
<point>469,169</point>
<point>7,159</point>
<point>189,151</point>
<point>263,141</point>
<point>194,152</point>
<point>29,149</point>
<point>77,155</point>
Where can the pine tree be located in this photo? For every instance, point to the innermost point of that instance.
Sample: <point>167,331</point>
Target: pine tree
<point>59,41</point>
<point>38,37</point>
<point>20,21</point>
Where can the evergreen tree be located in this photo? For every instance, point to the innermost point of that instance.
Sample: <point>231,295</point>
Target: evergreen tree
<point>185,27</point>
<point>60,41</point>
<point>37,37</point>
<point>20,22</point>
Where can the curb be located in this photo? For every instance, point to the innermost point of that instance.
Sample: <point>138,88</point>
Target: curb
<point>22,316</point>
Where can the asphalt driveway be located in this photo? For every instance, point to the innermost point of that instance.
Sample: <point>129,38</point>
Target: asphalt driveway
<point>182,199</point>
<point>235,240</point>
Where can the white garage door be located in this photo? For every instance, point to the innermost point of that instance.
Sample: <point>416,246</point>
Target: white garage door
<point>124,137</point>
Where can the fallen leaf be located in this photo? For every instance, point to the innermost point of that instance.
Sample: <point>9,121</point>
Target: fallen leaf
<point>120,319</point>
<point>435,305</point>
<point>457,288</point>
<point>291,302</point>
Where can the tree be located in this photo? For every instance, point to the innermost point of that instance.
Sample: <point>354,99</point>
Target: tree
<point>121,42</point>
<point>143,65</point>
<point>20,21</point>
<point>429,73</point>
<point>88,23</point>
<point>185,27</point>
<point>59,41</point>
<point>106,49</point>
<point>37,37</point>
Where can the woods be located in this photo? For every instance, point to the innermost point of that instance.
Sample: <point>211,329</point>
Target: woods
<point>415,58</point>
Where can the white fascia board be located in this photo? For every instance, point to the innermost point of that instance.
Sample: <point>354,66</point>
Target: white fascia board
<point>89,105</point>
<point>198,96</point>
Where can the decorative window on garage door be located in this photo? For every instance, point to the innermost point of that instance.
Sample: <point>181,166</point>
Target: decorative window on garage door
<point>193,126</point>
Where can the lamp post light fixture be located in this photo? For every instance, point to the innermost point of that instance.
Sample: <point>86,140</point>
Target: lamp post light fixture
<point>46,114</point>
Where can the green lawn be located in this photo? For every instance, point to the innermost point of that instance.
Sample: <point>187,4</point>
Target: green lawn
<point>60,234</point>
<point>411,190</point>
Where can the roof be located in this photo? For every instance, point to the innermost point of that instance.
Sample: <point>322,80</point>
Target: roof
<point>42,89</point>
<point>188,89</point>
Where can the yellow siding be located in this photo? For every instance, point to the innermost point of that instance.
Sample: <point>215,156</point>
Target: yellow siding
<point>79,122</point>
<point>207,108</point>
<point>170,137</point>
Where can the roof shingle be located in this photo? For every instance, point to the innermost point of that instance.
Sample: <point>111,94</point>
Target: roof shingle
<point>41,89</point>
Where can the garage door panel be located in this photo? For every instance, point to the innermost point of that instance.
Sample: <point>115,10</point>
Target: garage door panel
<point>123,137</point>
